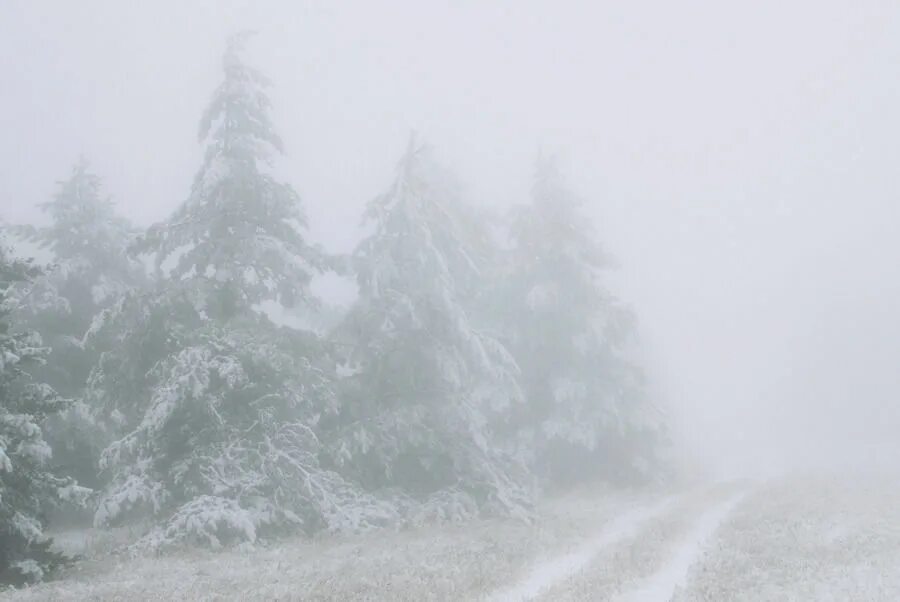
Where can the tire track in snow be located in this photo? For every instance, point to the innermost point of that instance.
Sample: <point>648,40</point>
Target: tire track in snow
<point>547,574</point>
<point>673,575</point>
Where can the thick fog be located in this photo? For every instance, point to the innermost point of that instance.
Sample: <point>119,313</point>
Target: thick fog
<point>740,160</point>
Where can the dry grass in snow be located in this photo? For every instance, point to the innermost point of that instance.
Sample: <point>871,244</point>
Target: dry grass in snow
<point>806,539</point>
<point>446,562</point>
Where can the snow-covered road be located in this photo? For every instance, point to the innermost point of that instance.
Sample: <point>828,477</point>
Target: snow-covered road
<point>547,573</point>
<point>790,539</point>
<point>673,575</point>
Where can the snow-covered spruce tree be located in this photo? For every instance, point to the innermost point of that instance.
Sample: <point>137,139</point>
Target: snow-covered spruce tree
<point>586,414</point>
<point>90,271</point>
<point>28,489</point>
<point>429,390</point>
<point>238,239</point>
<point>218,407</point>
<point>227,449</point>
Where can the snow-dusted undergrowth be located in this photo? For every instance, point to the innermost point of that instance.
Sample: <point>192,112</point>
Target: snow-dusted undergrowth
<point>446,562</point>
<point>797,539</point>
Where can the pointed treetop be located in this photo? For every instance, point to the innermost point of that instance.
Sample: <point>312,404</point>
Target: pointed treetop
<point>555,221</point>
<point>82,186</point>
<point>416,151</point>
<point>548,180</point>
<point>413,145</point>
<point>237,122</point>
<point>237,41</point>
<point>84,223</point>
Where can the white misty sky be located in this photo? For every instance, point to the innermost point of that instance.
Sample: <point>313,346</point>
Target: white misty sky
<point>740,158</point>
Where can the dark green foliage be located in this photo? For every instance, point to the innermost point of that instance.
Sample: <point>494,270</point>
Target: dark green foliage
<point>28,489</point>
<point>90,271</point>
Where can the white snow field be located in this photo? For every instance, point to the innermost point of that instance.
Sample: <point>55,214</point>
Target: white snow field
<point>792,539</point>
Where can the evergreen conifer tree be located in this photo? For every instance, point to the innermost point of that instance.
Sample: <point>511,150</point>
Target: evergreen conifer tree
<point>219,418</point>
<point>587,412</point>
<point>28,488</point>
<point>430,389</point>
<point>238,239</point>
<point>90,271</point>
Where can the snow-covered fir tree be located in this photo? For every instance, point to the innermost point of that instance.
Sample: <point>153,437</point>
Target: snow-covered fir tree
<point>217,408</point>
<point>587,413</point>
<point>238,239</point>
<point>429,390</point>
<point>90,270</point>
<point>227,449</point>
<point>28,488</point>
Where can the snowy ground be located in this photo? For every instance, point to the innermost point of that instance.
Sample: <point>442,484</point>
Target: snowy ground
<point>797,539</point>
<point>811,539</point>
<point>451,562</point>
